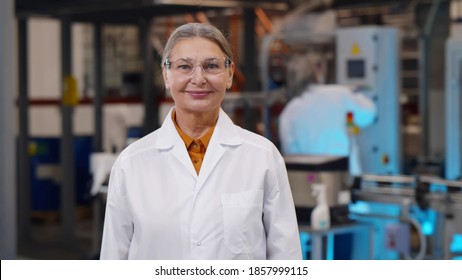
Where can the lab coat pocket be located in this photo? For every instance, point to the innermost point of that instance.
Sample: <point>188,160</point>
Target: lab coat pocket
<point>242,221</point>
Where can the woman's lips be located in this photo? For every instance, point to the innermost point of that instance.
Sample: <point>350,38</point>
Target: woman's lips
<point>198,94</point>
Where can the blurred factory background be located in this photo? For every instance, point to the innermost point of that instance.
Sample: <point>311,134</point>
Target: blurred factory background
<point>81,79</point>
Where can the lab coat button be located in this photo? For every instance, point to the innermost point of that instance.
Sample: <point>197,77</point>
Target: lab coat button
<point>198,244</point>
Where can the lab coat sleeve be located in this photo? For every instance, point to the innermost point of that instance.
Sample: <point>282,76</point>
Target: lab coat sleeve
<point>282,236</point>
<point>118,226</point>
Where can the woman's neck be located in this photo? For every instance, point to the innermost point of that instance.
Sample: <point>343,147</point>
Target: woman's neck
<point>195,124</point>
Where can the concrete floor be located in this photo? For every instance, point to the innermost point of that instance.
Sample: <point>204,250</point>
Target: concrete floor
<point>46,243</point>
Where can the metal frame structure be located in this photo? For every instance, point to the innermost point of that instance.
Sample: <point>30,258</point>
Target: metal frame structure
<point>453,108</point>
<point>8,210</point>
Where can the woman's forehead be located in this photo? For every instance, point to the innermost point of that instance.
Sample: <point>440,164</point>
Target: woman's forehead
<point>196,47</point>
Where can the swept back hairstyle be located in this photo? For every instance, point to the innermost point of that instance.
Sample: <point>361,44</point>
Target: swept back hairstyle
<point>202,30</point>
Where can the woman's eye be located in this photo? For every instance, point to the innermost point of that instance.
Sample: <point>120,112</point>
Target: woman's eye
<point>184,67</point>
<point>211,66</point>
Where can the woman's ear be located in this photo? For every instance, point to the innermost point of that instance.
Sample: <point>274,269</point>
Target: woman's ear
<point>229,82</point>
<point>164,76</point>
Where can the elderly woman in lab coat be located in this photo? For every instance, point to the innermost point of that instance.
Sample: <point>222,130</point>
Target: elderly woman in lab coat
<point>199,187</point>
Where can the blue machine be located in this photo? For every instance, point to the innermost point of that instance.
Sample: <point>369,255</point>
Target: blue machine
<point>44,170</point>
<point>367,57</point>
<point>44,153</point>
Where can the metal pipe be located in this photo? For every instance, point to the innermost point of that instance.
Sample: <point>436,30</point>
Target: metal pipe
<point>264,68</point>
<point>24,186</point>
<point>389,179</point>
<point>98,88</point>
<point>424,45</point>
<point>389,190</point>
<point>390,198</point>
<point>150,121</point>
<point>423,93</point>
<point>98,205</point>
<point>440,181</point>
<point>250,68</point>
<point>7,147</point>
<point>67,149</point>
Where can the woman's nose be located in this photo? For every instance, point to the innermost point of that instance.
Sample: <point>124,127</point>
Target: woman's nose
<point>198,75</point>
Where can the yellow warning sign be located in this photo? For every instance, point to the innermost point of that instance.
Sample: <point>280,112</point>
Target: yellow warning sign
<point>355,50</point>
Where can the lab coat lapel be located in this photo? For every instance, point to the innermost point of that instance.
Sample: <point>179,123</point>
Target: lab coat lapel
<point>180,152</point>
<point>224,136</point>
<point>169,139</point>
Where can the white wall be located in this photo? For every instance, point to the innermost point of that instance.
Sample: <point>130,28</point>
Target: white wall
<point>8,119</point>
<point>44,58</point>
<point>78,48</point>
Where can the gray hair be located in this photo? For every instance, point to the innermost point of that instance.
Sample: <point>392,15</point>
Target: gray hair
<point>203,30</point>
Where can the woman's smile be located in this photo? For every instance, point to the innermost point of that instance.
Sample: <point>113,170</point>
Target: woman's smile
<point>198,93</point>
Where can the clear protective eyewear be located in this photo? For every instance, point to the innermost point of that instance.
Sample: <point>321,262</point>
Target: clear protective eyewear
<point>186,66</point>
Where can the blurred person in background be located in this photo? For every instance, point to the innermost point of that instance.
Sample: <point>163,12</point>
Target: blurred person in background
<point>315,121</point>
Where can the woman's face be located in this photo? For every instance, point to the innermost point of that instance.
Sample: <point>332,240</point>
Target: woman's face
<point>198,91</point>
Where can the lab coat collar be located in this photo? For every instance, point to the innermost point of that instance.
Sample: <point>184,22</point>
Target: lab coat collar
<point>167,134</point>
<point>225,132</point>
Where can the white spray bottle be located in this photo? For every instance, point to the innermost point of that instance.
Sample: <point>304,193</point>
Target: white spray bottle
<point>320,216</point>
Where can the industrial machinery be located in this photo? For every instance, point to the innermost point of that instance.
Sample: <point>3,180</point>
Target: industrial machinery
<point>367,57</point>
<point>411,195</point>
<point>397,199</point>
<point>386,202</point>
<point>397,207</point>
<point>445,198</point>
<point>332,173</point>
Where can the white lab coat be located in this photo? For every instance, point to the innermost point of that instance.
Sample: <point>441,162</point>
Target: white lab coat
<point>240,205</point>
<point>315,121</point>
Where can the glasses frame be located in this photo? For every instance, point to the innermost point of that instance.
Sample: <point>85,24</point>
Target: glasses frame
<point>168,63</point>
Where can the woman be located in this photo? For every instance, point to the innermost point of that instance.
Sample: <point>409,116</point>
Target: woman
<point>199,187</point>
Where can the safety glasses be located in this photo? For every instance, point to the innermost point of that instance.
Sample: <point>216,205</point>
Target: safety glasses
<point>186,66</point>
